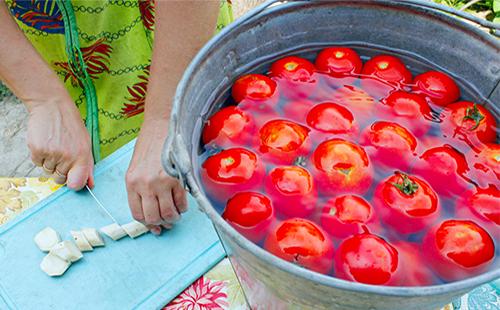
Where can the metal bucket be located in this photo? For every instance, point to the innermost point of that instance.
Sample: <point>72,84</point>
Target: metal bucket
<point>415,29</point>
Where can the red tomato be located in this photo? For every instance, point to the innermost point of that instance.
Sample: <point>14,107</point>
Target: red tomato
<point>231,171</point>
<point>482,205</point>
<point>292,191</point>
<point>341,167</point>
<point>458,249</point>
<point>296,110</point>
<point>302,242</point>
<point>406,203</point>
<point>332,118</point>
<point>384,74</point>
<point>339,61</point>
<point>283,141</point>
<point>469,122</point>
<point>295,76</point>
<point>366,258</point>
<point>348,215</point>
<point>409,110</point>
<point>486,164</point>
<point>229,127</point>
<point>255,87</point>
<point>445,168</point>
<point>439,87</point>
<point>412,267</point>
<point>250,213</point>
<point>384,140</point>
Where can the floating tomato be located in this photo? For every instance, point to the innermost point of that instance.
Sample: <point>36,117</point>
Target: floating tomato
<point>231,171</point>
<point>292,190</point>
<point>390,144</point>
<point>366,258</point>
<point>482,205</point>
<point>255,87</point>
<point>250,213</point>
<point>406,203</point>
<point>283,141</point>
<point>486,164</point>
<point>358,101</point>
<point>229,127</point>
<point>445,168</point>
<point>439,87</point>
<point>332,118</point>
<point>339,61</point>
<point>470,122</point>
<point>383,74</point>
<point>409,110</point>
<point>457,249</point>
<point>295,76</point>
<point>348,215</point>
<point>341,167</point>
<point>302,242</point>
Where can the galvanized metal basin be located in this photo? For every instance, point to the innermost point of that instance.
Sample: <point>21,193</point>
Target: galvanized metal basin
<point>413,30</point>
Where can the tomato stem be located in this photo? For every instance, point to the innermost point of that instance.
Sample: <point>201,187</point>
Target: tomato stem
<point>473,114</point>
<point>300,161</point>
<point>408,187</point>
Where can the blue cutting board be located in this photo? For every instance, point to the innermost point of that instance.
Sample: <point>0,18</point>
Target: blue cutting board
<point>142,273</point>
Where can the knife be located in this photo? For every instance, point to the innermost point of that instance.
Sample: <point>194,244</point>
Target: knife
<point>100,204</point>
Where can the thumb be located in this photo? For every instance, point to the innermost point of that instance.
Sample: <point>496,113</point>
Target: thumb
<point>78,176</point>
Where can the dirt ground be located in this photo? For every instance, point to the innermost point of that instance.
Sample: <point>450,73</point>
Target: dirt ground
<point>14,154</point>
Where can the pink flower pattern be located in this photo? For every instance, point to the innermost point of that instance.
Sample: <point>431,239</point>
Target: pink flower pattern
<point>204,294</point>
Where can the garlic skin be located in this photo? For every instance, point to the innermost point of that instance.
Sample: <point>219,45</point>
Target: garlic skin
<point>46,239</point>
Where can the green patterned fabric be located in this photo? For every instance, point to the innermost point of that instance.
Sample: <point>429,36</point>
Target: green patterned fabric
<point>111,43</point>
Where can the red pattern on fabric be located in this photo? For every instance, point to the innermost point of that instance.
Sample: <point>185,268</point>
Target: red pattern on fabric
<point>204,294</point>
<point>147,9</point>
<point>137,95</point>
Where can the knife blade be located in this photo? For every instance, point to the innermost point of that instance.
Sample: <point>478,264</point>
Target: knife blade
<point>100,204</point>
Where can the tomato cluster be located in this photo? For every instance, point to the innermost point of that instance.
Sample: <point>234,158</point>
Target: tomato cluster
<point>358,170</point>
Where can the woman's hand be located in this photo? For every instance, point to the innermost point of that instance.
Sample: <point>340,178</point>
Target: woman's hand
<point>59,141</point>
<point>155,198</point>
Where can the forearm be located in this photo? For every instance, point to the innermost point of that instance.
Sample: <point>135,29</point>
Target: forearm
<point>181,29</point>
<point>22,69</point>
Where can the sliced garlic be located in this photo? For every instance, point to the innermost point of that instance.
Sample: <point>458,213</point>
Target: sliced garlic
<point>67,250</point>
<point>135,229</point>
<point>81,242</point>
<point>114,231</point>
<point>53,265</point>
<point>93,237</point>
<point>47,238</point>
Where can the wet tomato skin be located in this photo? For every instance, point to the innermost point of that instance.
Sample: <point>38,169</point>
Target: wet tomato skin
<point>470,121</point>
<point>366,258</point>
<point>458,249</point>
<point>254,87</point>
<point>339,61</point>
<point>481,205</point>
<point>295,76</point>
<point>390,144</point>
<point>383,74</point>
<point>486,164</point>
<point>341,166</point>
<point>412,268</point>
<point>302,242</point>
<point>406,203</point>
<point>231,171</point>
<point>439,87</point>
<point>229,127</point>
<point>347,215</point>
<point>445,168</point>
<point>292,190</point>
<point>283,141</point>
<point>333,119</point>
<point>250,213</point>
<point>410,110</point>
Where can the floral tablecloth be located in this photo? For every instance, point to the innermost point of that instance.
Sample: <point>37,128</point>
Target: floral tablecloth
<point>218,288</point>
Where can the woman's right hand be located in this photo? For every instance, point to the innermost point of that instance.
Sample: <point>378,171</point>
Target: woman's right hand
<point>59,141</point>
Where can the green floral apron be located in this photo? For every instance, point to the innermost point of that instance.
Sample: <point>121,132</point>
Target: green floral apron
<point>101,50</point>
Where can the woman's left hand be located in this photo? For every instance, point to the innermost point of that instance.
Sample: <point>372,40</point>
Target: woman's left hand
<point>155,198</point>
